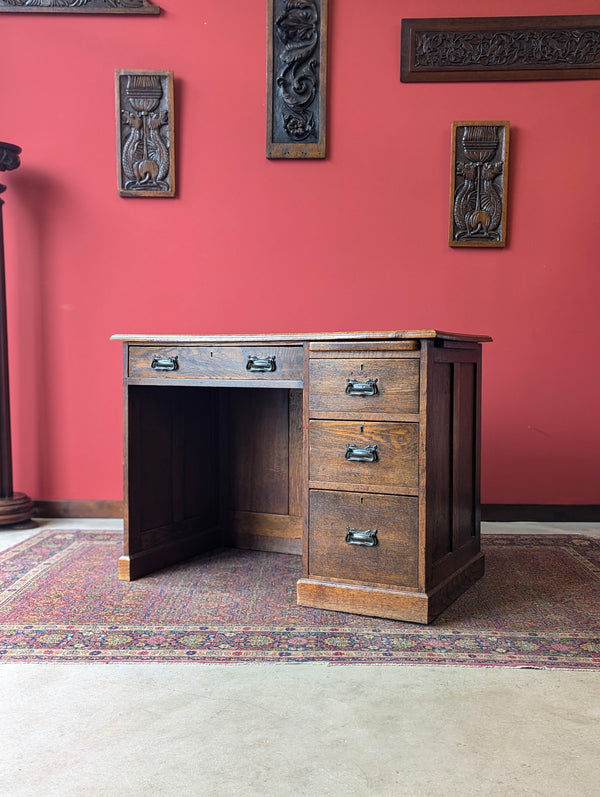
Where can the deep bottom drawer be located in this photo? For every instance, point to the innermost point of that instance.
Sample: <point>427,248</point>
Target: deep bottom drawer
<point>363,537</point>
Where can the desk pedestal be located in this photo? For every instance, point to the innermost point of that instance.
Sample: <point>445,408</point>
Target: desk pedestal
<point>359,452</point>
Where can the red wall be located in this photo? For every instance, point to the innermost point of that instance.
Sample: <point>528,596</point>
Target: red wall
<point>250,245</point>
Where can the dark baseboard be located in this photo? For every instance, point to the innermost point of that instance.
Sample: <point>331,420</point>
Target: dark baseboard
<point>77,509</point>
<point>499,513</point>
<point>541,513</point>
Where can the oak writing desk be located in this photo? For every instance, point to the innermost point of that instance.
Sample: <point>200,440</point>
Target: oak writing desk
<point>359,451</point>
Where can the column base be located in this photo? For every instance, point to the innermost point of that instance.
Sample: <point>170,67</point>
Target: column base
<point>16,510</point>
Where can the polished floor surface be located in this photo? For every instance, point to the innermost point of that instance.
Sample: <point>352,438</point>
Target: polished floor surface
<point>125,730</point>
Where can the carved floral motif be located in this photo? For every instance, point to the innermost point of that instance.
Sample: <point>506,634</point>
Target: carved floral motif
<point>488,49</point>
<point>298,79</point>
<point>78,5</point>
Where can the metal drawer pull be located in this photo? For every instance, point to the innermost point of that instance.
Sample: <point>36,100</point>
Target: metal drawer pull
<point>356,454</point>
<point>355,388</point>
<point>261,364</point>
<point>368,537</point>
<point>165,363</point>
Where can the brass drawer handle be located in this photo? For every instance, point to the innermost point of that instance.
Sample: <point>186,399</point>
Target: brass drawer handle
<point>357,454</point>
<point>368,537</point>
<point>356,388</point>
<point>261,365</point>
<point>165,363</point>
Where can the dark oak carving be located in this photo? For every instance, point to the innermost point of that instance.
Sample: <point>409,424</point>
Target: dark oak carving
<point>296,78</point>
<point>478,185</point>
<point>79,6</point>
<point>145,134</point>
<point>501,48</point>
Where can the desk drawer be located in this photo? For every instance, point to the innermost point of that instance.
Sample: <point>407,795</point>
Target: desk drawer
<point>362,537</point>
<point>364,386</point>
<point>269,363</point>
<point>374,454</point>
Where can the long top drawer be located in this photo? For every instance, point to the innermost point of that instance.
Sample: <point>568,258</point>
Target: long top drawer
<point>268,363</point>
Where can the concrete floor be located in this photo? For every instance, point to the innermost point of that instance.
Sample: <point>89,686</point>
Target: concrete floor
<point>284,729</point>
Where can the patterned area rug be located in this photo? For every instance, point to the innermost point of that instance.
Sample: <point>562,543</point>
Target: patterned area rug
<point>538,606</point>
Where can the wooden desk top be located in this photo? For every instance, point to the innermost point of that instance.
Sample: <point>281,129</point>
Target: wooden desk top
<point>298,338</point>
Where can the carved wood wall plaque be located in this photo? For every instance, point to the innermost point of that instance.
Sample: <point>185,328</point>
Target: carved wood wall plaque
<point>500,48</point>
<point>79,6</point>
<point>296,78</point>
<point>145,133</point>
<point>478,184</point>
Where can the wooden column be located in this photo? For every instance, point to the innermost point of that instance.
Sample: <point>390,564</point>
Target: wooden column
<point>15,508</point>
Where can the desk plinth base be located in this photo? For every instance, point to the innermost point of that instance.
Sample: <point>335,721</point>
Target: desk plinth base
<point>390,603</point>
<point>142,563</point>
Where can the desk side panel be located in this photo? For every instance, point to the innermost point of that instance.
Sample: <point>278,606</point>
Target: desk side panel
<point>452,461</point>
<point>172,491</point>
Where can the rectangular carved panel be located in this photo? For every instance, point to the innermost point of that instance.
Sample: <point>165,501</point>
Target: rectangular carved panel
<point>478,184</point>
<point>296,78</point>
<point>145,133</point>
<point>79,6</point>
<point>500,48</point>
